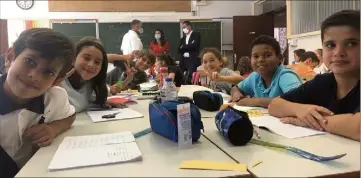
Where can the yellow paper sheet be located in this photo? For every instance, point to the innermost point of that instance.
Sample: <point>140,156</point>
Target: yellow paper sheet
<point>213,165</point>
<point>254,113</point>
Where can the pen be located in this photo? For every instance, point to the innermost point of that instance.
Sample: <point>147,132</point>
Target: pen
<point>257,163</point>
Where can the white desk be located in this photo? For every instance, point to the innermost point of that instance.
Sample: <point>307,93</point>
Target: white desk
<point>282,164</point>
<point>161,157</point>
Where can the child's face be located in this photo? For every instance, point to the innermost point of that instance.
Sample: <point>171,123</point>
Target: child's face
<point>142,63</point>
<point>341,50</point>
<point>88,62</point>
<point>295,57</point>
<point>158,64</point>
<point>264,60</point>
<point>30,75</point>
<point>211,62</point>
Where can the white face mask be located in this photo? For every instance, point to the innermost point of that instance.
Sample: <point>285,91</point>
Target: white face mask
<point>185,30</point>
<point>157,36</point>
<point>141,30</point>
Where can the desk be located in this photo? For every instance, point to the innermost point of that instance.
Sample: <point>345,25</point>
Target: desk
<point>281,164</point>
<point>161,157</point>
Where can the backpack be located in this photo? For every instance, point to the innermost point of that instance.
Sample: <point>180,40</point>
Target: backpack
<point>163,119</point>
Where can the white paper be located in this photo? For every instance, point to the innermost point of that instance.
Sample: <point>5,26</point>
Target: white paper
<point>247,108</point>
<point>126,113</point>
<point>83,151</point>
<point>286,130</point>
<point>184,123</point>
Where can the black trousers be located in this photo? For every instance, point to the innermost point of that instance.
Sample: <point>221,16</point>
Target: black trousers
<point>188,66</point>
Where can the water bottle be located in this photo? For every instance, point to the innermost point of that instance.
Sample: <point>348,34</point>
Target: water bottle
<point>163,75</point>
<point>169,91</point>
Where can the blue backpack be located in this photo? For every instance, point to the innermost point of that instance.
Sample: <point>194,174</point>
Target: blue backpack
<point>163,119</point>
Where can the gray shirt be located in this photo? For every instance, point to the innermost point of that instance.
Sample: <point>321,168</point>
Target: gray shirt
<point>78,98</point>
<point>223,86</point>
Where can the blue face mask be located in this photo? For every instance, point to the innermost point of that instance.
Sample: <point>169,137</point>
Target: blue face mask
<point>157,36</point>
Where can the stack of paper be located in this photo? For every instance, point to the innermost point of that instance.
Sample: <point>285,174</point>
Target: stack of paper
<point>83,151</point>
<point>126,113</point>
<point>289,131</point>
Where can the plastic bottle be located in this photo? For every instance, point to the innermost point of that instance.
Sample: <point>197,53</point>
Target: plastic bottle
<point>169,91</point>
<point>163,75</point>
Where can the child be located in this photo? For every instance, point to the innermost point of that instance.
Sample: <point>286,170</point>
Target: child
<point>174,72</point>
<point>221,77</point>
<point>308,61</point>
<point>321,68</point>
<point>244,66</point>
<point>331,101</point>
<point>133,73</point>
<point>90,76</point>
<point>296,55</point>
<point>32,109</point>
<point>269,79</point>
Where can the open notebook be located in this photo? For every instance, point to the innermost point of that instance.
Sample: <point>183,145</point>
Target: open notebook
<point>276,126</point>
<point>91,150</point>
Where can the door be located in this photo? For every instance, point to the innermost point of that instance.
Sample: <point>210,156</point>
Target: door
<point>247,28</point>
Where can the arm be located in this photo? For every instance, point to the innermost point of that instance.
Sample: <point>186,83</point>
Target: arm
<point>62,125</point>
<point>255,102</point>
<point>171,75</point>
<point>347,125</point>
<point>117,57</point>
<point>233,79</point>
<point>282,108</point>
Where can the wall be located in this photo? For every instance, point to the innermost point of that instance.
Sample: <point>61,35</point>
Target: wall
<point>309,43</point>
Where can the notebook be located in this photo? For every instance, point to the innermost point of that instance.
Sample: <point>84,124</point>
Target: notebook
<point>92,150</point>
<point>286,130</point>
<point>126,113</point>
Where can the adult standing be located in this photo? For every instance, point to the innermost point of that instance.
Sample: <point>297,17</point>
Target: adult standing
<point>159,45</point>
<point>131,42</point>
<point>189,48</point>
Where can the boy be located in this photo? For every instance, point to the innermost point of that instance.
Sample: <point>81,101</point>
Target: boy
<point>321,68</point>
<point>330,102</point>
<point>133,74</point>
<point>308,61</point>
<point>296,55</point>
<point>32,109</point>
<point>269,79</point>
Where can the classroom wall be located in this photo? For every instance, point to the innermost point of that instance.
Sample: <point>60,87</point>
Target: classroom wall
<point>309,43</point>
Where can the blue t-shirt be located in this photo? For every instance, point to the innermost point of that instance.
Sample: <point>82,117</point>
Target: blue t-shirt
<point>283,80</point>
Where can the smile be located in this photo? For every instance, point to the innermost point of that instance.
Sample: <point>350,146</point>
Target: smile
<point>27,84</point>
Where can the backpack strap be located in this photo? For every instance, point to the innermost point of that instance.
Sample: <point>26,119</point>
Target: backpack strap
<point>8,167</point>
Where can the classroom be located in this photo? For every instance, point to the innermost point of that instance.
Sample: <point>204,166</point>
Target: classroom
<point>188,88</point>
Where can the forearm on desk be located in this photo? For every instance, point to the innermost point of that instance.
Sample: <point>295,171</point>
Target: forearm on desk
<point>279,107</point>
<point>254,102</point>
<point>62,125</point>
<point>347,125</point>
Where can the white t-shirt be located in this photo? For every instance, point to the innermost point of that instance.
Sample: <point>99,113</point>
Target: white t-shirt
<point>14,124</point>
<point>81,98</point>
<point>131,42</point>
<point>322,69</point>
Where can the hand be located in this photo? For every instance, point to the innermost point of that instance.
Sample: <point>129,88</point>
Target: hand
<point>115,105</point>
<point>114,89</point>
<point>294,121</point>
<point>130,72</point>
<point>214,76</point>
<point>313,116</point>
<point>41,134</point>
<point>236,95</point>
<point>128,57</point>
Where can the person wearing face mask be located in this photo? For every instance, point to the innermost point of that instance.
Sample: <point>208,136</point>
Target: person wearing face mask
<point>189,48</point>
<point>131,42</point>
<point>159,46</point>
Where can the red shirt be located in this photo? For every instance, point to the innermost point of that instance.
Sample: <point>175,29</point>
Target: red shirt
<point>157,49</point>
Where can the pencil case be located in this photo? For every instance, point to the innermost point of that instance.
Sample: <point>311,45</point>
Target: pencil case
<point>207,100</point>
<point>163,119</point>
<point>234,126</point>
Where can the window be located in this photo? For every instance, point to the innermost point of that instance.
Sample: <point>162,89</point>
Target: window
<point>306,16</point>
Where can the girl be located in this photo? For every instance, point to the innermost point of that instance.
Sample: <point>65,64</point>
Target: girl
<point>269,79</point>
<point>89,76</point>
<point>174,72</point>
<point>221,77</point>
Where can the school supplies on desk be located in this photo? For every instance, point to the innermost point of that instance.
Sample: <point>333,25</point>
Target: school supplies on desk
<point>142,132</point>
<point>297,151</point>
<point>122,99</point>
<point>213,165</point>
<point>126,113</point>
<point>91,150</point>
<point>286,130</point>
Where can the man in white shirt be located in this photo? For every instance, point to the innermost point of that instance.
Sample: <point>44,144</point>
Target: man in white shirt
<point>321,68</point>
<point>189,48</point>
<point>131,42</point>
